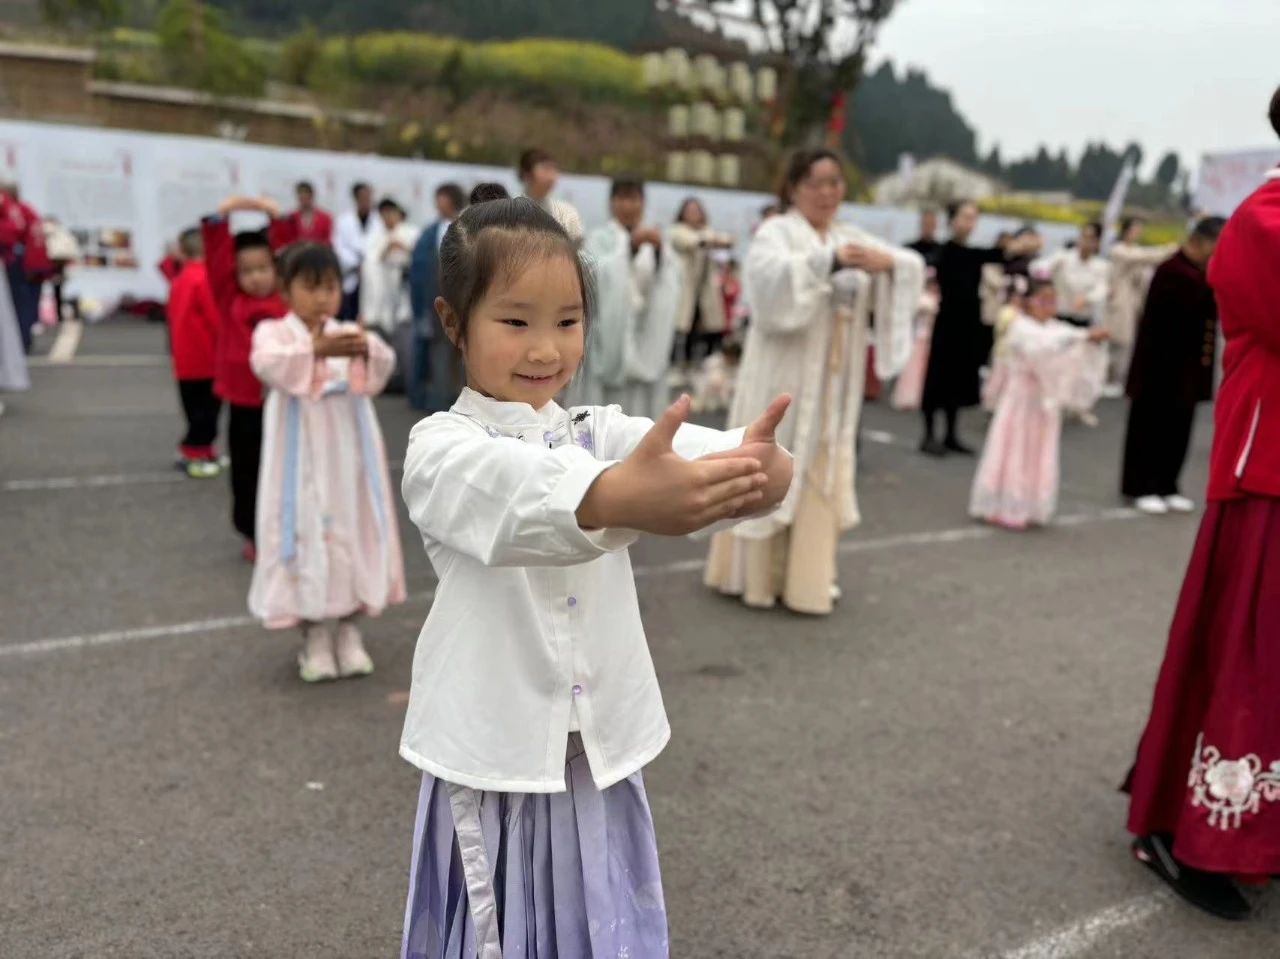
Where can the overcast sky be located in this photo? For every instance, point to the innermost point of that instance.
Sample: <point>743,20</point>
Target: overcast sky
<point>1190,75</point>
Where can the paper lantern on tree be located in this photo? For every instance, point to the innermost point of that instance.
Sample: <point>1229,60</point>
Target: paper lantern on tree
<point>677,166</point>
<point>679,71</point>
<point>735,124</point>
<point>767,84</point>
<point>740,82</point>
<point>655,70</point>
<point>702,166</point>
<point>678,120</point>
<point>705,121</point>
<point>730,170</point>
<point>709,73</point>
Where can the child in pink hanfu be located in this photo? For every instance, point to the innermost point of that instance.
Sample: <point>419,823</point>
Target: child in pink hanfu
<point>1048,366</point>
<point>328,540</point>
<point>910,386</point>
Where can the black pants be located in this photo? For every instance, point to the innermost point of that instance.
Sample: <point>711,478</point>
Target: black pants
<point>201,408</point>
<point>350,308</point>
<point>26,302</point>
<point>244,443</point>
<point>1082,322</point>
<point>1155,446</point>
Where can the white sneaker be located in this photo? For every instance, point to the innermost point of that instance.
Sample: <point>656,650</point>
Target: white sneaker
<point>1088,418</point>
<point>1180,504</point>
<point>836,593</point>
<point>1151,505</point>
<point>316,662</point>
<point>352,658</point>
<point>1112,391</point>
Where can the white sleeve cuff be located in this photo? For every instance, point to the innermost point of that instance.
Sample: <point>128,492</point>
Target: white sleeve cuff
<point>565,499</point>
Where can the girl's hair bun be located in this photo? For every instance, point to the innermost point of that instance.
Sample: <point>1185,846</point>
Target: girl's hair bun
<point>484,192</point>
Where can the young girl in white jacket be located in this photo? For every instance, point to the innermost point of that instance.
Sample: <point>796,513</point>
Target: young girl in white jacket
<point>534,704</point>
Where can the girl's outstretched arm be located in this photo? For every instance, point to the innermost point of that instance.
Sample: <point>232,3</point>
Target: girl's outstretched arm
<point>502,501</point>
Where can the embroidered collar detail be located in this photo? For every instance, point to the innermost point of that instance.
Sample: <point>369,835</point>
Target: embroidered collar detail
<point>550,426</point>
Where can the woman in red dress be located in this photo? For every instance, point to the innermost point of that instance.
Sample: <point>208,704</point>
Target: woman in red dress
<point>1205,789</point>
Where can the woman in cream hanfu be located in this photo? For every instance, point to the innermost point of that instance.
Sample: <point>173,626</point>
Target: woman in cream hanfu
<point>1132,266</point>
<point>638,286</point>
<point>813,284</point>
<point>701,320</point>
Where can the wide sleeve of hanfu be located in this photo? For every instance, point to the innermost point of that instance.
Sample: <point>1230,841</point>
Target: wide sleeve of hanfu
<point>897,295</point>
<point>788,285</point>
<point>501,501</point>
<point>378,367</point>
<point>283,357</point>
<point>608,255</point>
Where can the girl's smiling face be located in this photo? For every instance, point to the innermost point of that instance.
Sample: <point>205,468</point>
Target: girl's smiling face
<point>525,337</point>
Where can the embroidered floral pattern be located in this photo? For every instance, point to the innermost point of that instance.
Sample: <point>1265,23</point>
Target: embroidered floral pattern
<point>1229,788</point>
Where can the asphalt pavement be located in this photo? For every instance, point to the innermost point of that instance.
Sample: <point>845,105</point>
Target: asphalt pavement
<point>929,772</point>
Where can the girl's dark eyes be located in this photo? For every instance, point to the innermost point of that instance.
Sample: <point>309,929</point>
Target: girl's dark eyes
<point>574,321</point>
<point>514,322</point>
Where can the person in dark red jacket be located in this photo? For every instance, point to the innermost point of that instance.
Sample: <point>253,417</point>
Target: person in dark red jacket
<point>1171,373</point>
<point>1205,789</point>
<point>308,223</point>
<point>25,260</point>
<point>242,277</point>
<point>194,322</point>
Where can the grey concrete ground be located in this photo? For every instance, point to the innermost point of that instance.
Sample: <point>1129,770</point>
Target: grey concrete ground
<point>930,772</point>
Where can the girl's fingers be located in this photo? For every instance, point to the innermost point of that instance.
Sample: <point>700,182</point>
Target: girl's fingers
<point>721,493</point>
<point>713,472</point>
<point>740,505</point>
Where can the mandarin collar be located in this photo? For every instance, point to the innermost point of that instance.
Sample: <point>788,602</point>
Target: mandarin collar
<point>506,415</point>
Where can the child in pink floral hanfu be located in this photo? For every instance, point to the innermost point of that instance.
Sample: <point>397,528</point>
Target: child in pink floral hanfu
<point>328,540</point>
<point>1048,365</point>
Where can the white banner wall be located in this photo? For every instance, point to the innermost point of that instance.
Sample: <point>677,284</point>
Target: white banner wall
<point>128,195</point>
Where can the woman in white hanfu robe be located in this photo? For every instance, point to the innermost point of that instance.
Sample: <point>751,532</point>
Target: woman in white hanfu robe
<point>814,285</point>
<point>384,292</point>
<point>629,343</point>
<point>1048,366</point>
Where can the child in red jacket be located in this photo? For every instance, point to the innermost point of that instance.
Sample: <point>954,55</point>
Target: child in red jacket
<point>242,276</point>
<point>194,322</point>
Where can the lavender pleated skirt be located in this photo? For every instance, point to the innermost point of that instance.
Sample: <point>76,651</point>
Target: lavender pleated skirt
<point>570,875</point>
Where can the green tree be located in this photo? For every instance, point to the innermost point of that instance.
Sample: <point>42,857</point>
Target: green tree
<point>91,14</point>
<point>300,54</point>
<point>199,52</point>
<point>1168,170</point>
<point>889,116</point>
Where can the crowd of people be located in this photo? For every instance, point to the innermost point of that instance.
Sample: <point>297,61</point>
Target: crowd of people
<point>534,705</point>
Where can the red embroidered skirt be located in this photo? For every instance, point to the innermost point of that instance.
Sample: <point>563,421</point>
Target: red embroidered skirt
<point>1208,764</point>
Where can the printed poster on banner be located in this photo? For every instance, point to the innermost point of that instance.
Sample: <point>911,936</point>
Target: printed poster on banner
<point>93,193</point>
<point>192,184</point>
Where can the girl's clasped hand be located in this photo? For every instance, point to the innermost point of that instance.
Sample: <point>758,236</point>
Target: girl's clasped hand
<point>655,490</point>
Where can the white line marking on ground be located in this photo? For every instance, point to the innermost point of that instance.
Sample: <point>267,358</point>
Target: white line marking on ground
<point>100,480</point>
<point>118,636</point>
<point>138,359</point>
<point>66,343</point>
<point>90,482</point>
<point>879,436</point>
<point>1075,938</point>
